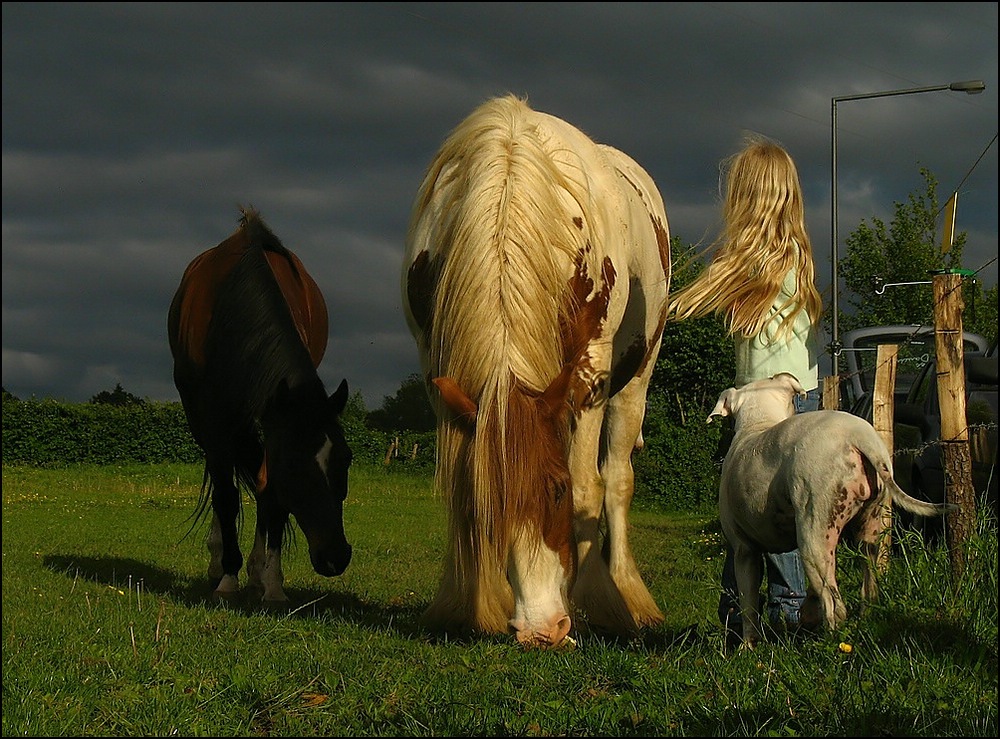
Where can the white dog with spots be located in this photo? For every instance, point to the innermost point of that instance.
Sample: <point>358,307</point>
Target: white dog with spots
<point>798,480</point>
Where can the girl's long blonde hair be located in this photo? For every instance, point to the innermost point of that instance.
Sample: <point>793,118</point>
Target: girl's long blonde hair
<point>764,237</point>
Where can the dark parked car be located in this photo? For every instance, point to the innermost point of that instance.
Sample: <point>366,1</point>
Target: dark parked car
<point>916,347</point>
<point>917,431</point>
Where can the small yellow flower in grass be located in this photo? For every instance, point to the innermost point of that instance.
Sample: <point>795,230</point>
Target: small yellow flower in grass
<point>845,647</point>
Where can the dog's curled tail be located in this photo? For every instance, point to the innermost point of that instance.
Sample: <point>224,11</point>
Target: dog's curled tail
<point>873,449</point>
<point>908,502</point>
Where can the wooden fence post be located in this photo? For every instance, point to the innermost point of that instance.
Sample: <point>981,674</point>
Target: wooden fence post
<point>392,451</point>
<point>883,413</point>
<point>831,393</point>
<point>950,352</point>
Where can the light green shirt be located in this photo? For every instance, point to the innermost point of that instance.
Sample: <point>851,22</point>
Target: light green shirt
<point>762,356</point>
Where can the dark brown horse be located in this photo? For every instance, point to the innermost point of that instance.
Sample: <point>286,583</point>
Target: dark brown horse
<point>247,329</point>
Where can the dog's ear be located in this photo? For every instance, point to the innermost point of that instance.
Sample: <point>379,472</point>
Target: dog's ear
<point>724,405</point>
<point>792,383</point>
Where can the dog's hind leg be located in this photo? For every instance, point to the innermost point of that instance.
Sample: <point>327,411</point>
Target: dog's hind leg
<point>749,568</point>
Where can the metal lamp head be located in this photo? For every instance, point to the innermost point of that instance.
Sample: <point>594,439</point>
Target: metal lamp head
<point>970,87</point>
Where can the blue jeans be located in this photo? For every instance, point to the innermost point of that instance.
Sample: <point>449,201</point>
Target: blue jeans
<point>786,578</point>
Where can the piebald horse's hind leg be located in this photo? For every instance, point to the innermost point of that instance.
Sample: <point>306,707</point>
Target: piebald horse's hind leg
<point>594,592</point>
<point>225,557</point>
<point>264,564</point>
<point>622,433</point>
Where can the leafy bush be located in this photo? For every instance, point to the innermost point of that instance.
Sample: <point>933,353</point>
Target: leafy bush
<point>50,433</point>
<point>675,470</point>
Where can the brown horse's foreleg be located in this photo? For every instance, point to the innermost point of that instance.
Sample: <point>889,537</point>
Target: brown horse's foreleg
<point>264,565</point>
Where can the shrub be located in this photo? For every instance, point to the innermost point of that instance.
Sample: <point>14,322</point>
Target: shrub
<point>674,471</point>
<point>49,433</point>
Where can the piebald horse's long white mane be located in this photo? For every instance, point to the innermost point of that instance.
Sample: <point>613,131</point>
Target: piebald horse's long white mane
<point>505,288</point>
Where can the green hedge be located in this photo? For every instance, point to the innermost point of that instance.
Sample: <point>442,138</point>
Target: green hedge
<point>50,433</point>
<point>674,471</point>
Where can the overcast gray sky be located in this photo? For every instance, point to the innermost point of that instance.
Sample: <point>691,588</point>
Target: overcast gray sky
<point>132,132</point>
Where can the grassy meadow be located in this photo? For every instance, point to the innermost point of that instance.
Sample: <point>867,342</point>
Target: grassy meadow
<point>108,631</point>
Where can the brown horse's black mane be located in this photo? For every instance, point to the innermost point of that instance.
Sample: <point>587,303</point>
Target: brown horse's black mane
<point>253,345</point>
<point>259,234</point>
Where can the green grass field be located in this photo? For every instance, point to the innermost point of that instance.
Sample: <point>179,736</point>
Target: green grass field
<point>108,631</point>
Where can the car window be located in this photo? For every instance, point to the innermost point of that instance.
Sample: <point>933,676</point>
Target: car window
<point>911,356</point>
<point>981,401</point>
<point>933,407</point>
<point>925,381</point>
<point>915,347</point>
<point>914,351</point>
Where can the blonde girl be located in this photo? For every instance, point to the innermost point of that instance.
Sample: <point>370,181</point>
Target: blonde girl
<point>761,279</point>
<point>761,282</point>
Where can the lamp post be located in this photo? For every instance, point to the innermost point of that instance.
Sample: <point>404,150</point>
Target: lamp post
<point>970,87</point>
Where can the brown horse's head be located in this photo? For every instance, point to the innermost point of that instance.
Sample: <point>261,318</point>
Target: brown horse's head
<point>305,470</point>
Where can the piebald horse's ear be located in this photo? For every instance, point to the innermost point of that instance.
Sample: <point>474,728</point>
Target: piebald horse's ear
<point>459,403</point>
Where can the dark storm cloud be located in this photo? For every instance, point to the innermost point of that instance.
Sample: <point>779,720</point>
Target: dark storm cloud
<point>132,131</point>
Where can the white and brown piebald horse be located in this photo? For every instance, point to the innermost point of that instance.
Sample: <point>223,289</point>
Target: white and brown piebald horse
<point>535,284</point>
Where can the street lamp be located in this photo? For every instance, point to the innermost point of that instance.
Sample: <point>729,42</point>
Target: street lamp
<point>970,87</point>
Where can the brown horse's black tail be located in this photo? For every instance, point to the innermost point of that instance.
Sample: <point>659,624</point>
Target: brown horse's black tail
<point>245,468</point>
